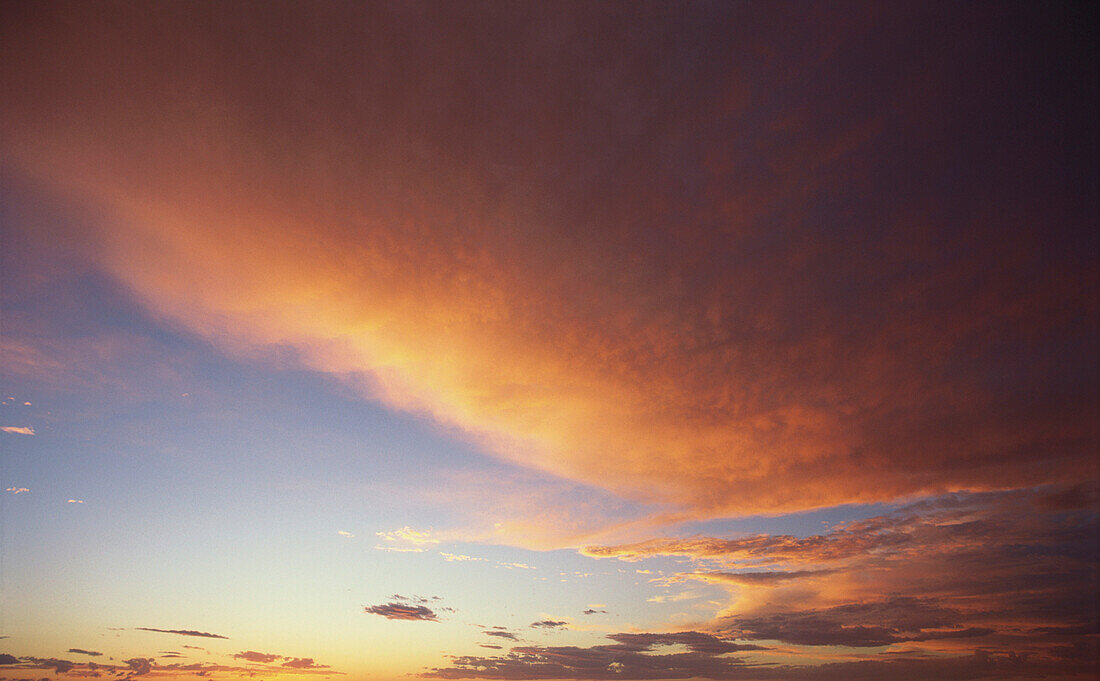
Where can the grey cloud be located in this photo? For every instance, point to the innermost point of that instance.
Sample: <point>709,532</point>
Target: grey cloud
<point>401,611</point>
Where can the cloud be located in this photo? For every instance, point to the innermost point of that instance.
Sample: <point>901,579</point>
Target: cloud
<point>268,658</point>
<point>75,501</point>
<point>342,533</point>
<point>84,652</point>
<point>303,663</point>
<point>17,490</point>
<point>769,578</point>
<point>593,611</point>
<point>401,611</point>
<point>140,665</point>
<point>18,430</point>
<point>182,632</point>
<point>734,290</point>
<point>615,662</point>
<point>253,656</point>
<point>409,535</point>
<point>548,624</point>
<point>631,656</point>
<point>458,558</point>
<point>958,572</point>
<point>502,634</point>
<point>406,540</point>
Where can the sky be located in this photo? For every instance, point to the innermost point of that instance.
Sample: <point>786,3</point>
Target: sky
<point>570,340</point>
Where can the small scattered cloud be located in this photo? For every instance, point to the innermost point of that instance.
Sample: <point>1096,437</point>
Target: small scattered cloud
<point>303,663</point>
<point>458,557</point>
<point>408,535</point>
<point>594,611</point>
<point>674,598</point>
<point>17,490</point>
<point>140,665</point>
<point>628,657</point>
<point>402,611</point>
<point>768,578</point>
<point>342,533</point>
<point>74,501</point>
<point>18,430</point>
<point>81,651</point>
<point>503,634</point>
<point>253,656</point>
<point>521,566</point>
<point>548,624</point>
<point>182,632</point>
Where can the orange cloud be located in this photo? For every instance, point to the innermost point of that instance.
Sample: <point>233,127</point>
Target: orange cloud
<point>686,304</point>
<point>999,571</point>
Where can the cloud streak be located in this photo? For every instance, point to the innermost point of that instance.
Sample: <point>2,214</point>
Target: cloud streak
<point>402,611</point>
<point>182,632</point>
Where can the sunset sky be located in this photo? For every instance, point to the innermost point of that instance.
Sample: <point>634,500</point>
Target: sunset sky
<point>556,340</point>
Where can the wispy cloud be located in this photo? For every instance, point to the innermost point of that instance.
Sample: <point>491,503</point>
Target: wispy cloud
<point>17,490</point>
<point>81,651</point>
<point>402,611</point>
<point>406,540</point>
<point>182,632</point>
<point>409,535</point>
<point>17,430</point>
<point>459,558</point>
<point>303,663</point>
<point>253,656</point>
<point>630,656</point>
